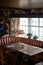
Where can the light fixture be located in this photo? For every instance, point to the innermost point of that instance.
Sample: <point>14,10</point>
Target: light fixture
<point>24,2</point>
<point>36,1</point>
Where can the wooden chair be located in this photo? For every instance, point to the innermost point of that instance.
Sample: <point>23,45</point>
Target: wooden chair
<point>2,59</point>
<point>11,58</point>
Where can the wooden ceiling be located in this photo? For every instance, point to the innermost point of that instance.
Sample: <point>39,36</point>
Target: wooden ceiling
<point>24,4</point>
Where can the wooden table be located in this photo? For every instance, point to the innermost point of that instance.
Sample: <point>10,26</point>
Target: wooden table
<point>26,49</point>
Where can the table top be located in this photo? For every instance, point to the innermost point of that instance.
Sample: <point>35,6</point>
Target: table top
<point>25,48</point>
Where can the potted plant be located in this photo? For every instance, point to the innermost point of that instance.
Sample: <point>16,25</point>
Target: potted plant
<point>29,35</point>
<point>35,37</point>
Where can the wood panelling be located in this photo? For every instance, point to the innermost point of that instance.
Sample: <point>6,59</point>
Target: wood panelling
<point>6,58</point>
<point>38,58</point>
<point>10,3</point>
<point>26,4</point>
<point>9,40</point>
<point>11,58</point>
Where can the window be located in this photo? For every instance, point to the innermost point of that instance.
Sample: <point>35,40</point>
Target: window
<point>24,25</point>
<point>36,27</point>
<point>32,25</point>
<point>41,28</point>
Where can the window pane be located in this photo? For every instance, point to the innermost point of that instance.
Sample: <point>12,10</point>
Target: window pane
<point>41,38</point>
<point>34,21</point>
<point>41,21</point>
<point>23,21</point>
<point>23,27</point>
<point>41,33</point>
<point>26,27</point>
<point>24,24</point>
<point>34,30</point>
<point>41,29</point>
<point>20,27</point>
<point>25,31</point>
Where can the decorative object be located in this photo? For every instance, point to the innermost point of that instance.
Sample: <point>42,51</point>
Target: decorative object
<point>29,35</point>
<point>35,37</point>
<point>17,12</point>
